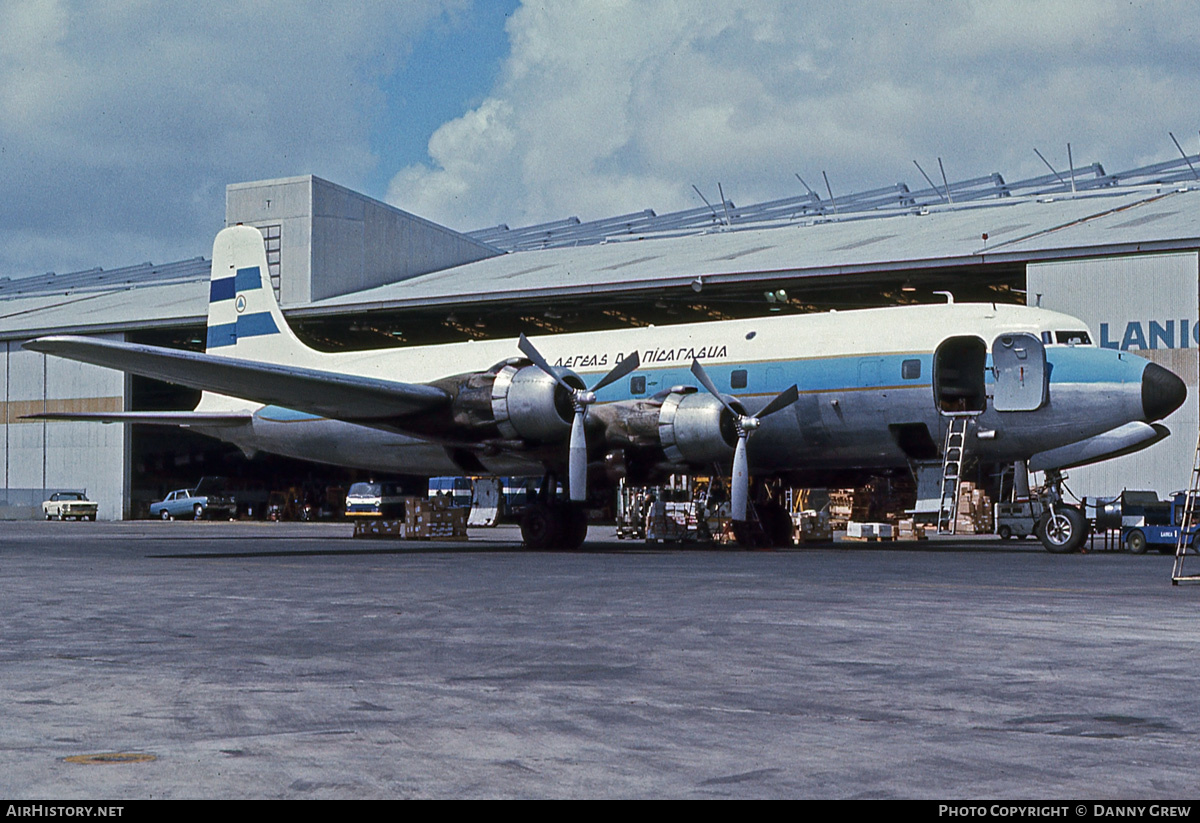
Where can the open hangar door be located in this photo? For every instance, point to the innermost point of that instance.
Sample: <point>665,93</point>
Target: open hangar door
<point>165,458</point>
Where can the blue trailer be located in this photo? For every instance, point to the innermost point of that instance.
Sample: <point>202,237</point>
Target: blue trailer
<point>1153,523</point>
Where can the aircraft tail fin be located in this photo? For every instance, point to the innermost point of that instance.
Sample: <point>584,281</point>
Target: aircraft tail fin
<point>244,319</point>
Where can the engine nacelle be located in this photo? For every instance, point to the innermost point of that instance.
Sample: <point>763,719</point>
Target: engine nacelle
<point>530,405</point>
<point>695,428</point>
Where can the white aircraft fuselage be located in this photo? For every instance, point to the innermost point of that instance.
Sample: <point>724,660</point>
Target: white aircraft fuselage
<point>847,365</point>
<point>874,390</point>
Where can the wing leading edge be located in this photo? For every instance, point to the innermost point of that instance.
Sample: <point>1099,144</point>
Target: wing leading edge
<point>336,396</point>
<point>212,420</point>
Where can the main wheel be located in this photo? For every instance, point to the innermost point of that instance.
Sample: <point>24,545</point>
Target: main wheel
<point>540,527</point>
<point>574,527</point>
<point>1005,533</point>
<point>165,515</point>
<point>1063,530</point>
<point>776,525</point>
<point>198,512</point>
<point>1135,542</point>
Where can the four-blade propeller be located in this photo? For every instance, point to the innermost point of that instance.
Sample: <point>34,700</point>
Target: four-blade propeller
<point>581,399</point>
<point>746,424</point>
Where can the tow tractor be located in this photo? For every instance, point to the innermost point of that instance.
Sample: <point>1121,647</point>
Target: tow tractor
<point>1149,522</point>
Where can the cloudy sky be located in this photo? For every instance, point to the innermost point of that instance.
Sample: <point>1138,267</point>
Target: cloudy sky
<point>121,122</point>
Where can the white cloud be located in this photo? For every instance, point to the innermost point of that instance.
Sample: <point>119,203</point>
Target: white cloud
<point>122,122</point>
<point>615,106</point>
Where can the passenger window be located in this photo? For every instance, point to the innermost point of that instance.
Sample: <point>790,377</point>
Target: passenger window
<point>737,380</point>
<point>637,384</point>
<point>910,369</point>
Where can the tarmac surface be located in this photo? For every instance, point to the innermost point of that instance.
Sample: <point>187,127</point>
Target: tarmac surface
<point>262,660</point>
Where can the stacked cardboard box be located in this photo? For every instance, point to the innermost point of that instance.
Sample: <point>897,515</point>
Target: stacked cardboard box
<point>427,518</point>
<point>909,530</point>
<point>846,505</point>
<point>974,511</point>
<point>883,500</point>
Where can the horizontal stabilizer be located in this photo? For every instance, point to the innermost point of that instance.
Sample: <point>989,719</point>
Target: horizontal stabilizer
<point>327,394</point>
<point>178,418</point>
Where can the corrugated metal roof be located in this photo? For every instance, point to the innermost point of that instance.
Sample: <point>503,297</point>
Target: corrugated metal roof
<point>1086,180</point>
<point>97,279</point>
<point>132,307</point>
<point>1109,213</point>
<point>1020,229</point>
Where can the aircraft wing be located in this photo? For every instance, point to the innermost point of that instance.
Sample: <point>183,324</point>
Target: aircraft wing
<point>328,394</point>
<point>179,418</point>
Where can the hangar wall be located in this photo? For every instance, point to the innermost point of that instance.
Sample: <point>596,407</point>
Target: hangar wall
<point>324,240</point>
<point>41,457</point>
<point>1146,304</point>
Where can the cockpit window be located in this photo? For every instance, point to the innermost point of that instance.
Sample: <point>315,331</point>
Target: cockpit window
<point>1072,338</point>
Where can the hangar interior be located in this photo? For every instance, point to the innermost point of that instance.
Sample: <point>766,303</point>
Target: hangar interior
<point>1119,251</point>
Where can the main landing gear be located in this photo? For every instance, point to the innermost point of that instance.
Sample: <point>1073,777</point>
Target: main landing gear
<point>769,525</point>
<point>551,523</point>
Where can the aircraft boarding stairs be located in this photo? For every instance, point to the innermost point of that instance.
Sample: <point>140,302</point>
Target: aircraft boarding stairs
<point>1186,524</point>
<point>953,456</point>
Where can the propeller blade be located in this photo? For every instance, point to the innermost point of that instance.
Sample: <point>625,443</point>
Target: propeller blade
<point>620,370</point>
<point>535,356</point>
<point>740,491</point>
<point>577,450</point>
<point>577,458</point>
<point>782,401</point>
<point>701,375</point>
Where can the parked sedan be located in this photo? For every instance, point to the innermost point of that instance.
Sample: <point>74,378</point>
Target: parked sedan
<point>70,505</point>
<point>196,504</point>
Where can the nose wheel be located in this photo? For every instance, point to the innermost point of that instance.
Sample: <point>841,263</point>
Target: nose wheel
<point>1061,528</point>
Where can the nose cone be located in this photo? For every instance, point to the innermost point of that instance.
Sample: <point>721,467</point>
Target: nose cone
<point>1162,392</point>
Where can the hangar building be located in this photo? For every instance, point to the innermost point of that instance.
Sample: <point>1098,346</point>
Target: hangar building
<point>1121,251</point>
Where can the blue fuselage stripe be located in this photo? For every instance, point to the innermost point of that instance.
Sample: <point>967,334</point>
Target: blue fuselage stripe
<point>847,373</point>
<point>1080,365</point>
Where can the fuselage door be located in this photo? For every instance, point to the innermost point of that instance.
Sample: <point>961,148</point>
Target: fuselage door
<point>1019,361</point>
<point>959,365</point>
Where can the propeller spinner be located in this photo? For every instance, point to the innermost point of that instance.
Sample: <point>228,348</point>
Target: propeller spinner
<point>581,399</point>
<point>746,424</point>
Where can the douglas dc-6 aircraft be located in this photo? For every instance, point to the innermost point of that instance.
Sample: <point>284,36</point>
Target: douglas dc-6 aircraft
<point>801,398</point>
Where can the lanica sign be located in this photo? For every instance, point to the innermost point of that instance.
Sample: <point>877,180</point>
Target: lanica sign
<point>1150,334</point>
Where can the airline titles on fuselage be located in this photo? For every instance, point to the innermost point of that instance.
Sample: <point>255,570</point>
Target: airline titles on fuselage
<point>665,355</point>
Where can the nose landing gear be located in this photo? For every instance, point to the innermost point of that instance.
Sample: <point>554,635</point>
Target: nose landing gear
<point>1061,528</point>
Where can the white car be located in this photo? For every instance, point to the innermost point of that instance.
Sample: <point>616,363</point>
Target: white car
<point>70,505</point>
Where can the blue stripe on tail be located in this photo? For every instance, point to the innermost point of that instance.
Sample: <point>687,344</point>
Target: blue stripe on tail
<point>227,288</point>
<point>250,325</point>
<point>248,278</point>
<point>222,289</point>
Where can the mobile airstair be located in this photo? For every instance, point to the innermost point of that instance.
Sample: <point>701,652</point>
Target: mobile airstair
<point>953,456</point>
